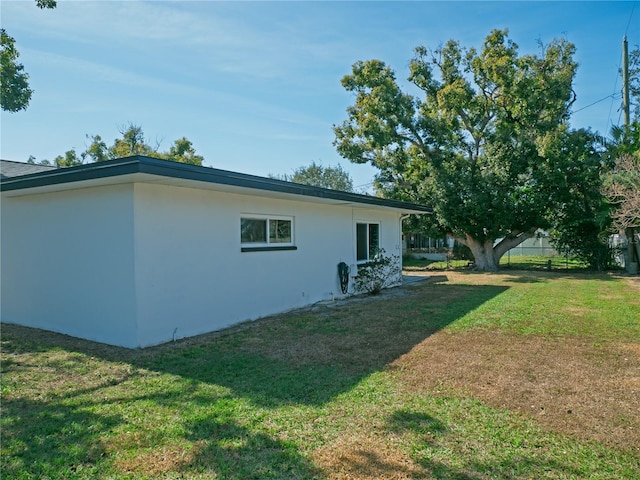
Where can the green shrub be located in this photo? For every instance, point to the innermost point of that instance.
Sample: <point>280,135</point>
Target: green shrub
<point>381,272</point>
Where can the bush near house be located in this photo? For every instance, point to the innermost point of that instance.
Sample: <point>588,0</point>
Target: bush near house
<point>380,272</point>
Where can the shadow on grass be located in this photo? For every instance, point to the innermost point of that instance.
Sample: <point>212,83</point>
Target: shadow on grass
<point>55,439</point>
<point>436,440</point>
<point>230,450</point>
<point>48,439</point>
<point>310,359</point>
<point>303,358</point>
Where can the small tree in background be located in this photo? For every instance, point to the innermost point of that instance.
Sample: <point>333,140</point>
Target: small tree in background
<point>69,159</point>
<point>132,142</point>
<point>335,178</point>
<point>622,189</point>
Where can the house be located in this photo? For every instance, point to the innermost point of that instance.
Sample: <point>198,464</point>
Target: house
<point>139,251</point>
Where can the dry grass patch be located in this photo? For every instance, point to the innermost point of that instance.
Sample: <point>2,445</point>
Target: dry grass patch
<point>360,457</point>
<point>157,461</point>
<point>567,384</point>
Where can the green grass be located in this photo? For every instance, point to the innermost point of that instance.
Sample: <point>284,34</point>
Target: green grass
<point>593,307</point>
<point>284,397</point>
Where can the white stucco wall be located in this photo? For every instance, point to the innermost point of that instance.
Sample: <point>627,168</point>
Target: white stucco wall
<point>191,276</point>
<point>139,264</point>
<point>67,263</point>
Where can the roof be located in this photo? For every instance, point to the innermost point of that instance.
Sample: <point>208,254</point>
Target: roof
<point>153,170</point>
<point>9,168</point>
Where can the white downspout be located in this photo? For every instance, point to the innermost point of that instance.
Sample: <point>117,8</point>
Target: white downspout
<point>402,217</point>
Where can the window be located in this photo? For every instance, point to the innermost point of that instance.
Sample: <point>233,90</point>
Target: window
<point>279,231</point>
<point>260,233</point>
<point>367,241</point>
<point>253,230</point>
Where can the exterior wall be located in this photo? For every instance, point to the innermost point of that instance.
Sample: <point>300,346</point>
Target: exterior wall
<point>192,278</point>
<point>140,264</point>
<point>67,263</point>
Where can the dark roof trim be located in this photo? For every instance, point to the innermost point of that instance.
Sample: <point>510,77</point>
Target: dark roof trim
<point>164,168</point>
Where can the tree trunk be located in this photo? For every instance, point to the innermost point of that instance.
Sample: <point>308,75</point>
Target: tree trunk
<point>486,255</point>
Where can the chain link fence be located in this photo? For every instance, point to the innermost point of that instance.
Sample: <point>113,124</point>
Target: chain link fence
<point>535,253</point>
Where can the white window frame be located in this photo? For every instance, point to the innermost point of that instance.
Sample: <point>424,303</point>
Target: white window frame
<point>267,245</point>
<point>367,223</point>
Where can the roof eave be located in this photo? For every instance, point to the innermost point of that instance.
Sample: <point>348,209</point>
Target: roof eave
<point>163,168</point>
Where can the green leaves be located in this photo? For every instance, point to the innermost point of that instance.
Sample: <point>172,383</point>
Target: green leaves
<point>14,87</point>
<point>182,151</point>
<point>382,117</point>
<point>335,178</point>
<point>132,142</point>
<point>15,93</point>
<point>470,146</point>
<point>70,159</point>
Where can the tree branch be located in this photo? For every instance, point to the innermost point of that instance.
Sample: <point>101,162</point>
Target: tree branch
<point>513,239</point>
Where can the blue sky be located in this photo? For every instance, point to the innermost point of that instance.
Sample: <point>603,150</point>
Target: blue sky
<point>256,85</point>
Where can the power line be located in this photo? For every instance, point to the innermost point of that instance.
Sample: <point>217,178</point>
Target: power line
<point>611,95</point>
<point>615,86</point>
<point>630,16</point>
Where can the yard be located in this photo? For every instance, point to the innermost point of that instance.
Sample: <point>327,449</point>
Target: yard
<point>465,376</point>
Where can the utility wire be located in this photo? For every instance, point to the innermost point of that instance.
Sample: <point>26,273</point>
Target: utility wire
<point>615,86</point>
<point>630,16</point>
<point>612,95</point>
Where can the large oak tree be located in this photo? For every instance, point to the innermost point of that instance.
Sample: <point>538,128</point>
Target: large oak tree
<point>473,144</point>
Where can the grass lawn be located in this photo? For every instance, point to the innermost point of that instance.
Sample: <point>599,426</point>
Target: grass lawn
<point>465,376</point>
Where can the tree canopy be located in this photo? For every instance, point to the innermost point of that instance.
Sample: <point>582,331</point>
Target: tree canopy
<point>580,220</point>
<point>335,178</point>
<point>475,145</point>
<point>131,142</point>
<point>15,92</point>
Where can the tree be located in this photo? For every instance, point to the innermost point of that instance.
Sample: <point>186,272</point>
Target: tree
<point>32,161</point>
<point>580,222</point>
<point>15,93</point>
<point>97,150</point>
<point>472,147</point>
<point>132,142</point>
<point>182,151</point>
<point>622,189</point>
<point>335,178</point>
<point>70,159</point>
